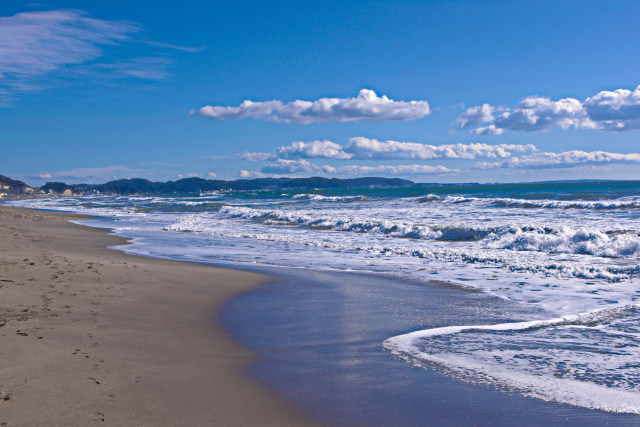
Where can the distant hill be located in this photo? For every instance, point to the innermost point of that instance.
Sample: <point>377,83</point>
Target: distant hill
<point>8,182</point>
<point>10,186</point>
<point>196,185</point>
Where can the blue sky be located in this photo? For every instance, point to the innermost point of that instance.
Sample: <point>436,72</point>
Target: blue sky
<point>432,91</point>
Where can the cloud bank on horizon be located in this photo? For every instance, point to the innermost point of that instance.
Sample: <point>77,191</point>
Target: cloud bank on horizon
<point>93,175</point>
<point>367,107</point>
<point>617,110</point>
<point>286,167</point>
<point>293,158</point>
<point>361,148</point>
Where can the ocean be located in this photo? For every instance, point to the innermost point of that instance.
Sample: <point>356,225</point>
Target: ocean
<point>556,264</point>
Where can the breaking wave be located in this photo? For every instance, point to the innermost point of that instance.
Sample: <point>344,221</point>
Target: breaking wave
<point>587,360</point>
<point>506,202</point>
<point>489,255</point>
<point>608,243</point>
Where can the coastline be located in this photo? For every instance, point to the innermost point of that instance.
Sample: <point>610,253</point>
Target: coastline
<point>91,334</point>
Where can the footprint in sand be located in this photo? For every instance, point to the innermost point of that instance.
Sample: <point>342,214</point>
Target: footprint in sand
<point>79,352</point>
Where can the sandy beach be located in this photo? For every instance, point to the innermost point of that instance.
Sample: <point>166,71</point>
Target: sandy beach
<point>93,335</point>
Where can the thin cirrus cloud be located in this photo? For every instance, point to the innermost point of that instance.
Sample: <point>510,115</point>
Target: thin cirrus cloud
<point>139,68</point>
<point>396,170</point>
<point>366,107</point>
<point>256,156</point>
<point>560,160</point>
<point>617,110</point>
<point>289,166</point>
<point>285,166</point>
<point>361,148</point>
<point>37,47</point>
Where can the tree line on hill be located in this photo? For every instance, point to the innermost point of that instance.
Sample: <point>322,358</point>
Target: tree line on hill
<point>198,185</point>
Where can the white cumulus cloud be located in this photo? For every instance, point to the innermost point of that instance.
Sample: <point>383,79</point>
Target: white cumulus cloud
<point>488,130</point>
<point>476,115</point>
<point>539,113</point>
<point>533,113</point>
<point>366,107</point>
<point>616,110</point>
<point>314,149</point>
<point>246,109</point>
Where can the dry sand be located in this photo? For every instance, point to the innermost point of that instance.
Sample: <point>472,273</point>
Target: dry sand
<point>90,335</point>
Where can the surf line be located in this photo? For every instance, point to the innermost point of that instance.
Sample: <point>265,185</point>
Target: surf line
<point>568,391</point>
<point>403,343</point>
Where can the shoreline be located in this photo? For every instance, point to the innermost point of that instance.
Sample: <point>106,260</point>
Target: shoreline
<point>334,358</point>
<point>95,335</point>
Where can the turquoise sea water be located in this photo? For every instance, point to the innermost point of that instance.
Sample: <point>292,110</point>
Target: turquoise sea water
<point>566,254</point>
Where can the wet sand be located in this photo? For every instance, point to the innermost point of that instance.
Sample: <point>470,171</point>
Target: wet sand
<point>91,335</point>
<point>320,333</point>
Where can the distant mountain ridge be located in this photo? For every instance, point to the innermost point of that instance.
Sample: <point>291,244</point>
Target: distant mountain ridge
<point>10,188</point>
<point>196,185</point>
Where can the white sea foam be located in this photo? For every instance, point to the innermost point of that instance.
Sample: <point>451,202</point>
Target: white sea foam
<point>513,260</point>
<point>78,205</point>
<point>622,203</point>
<point>321,198</point>
<point>572,365</point>
<point>563,239</point>
<point>632,202</point>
